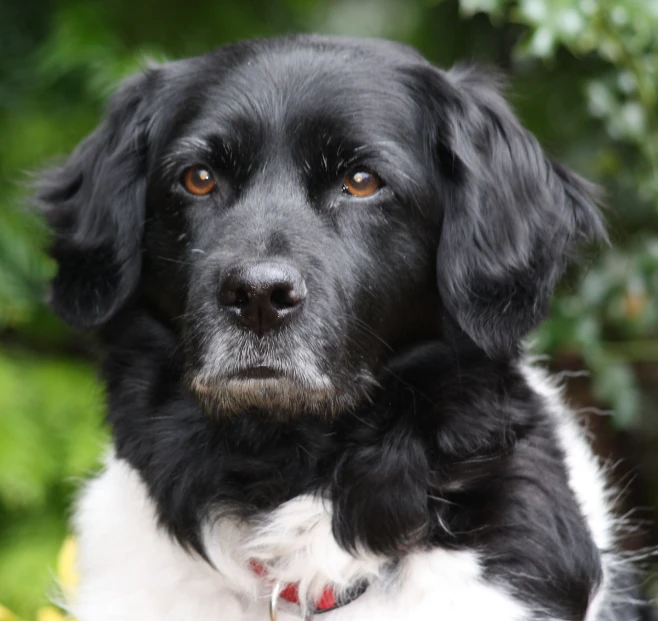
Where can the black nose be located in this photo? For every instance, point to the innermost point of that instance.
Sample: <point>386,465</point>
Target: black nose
<point>262,294</point>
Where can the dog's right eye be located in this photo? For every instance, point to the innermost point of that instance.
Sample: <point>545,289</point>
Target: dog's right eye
<point>198,180</point>
<point>361,183</point>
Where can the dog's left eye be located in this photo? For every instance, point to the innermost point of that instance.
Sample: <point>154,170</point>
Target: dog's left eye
<point>361,183</point>
<point>198,180</point>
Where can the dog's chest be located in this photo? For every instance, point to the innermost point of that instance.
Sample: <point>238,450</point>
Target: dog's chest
<point>132,569</point>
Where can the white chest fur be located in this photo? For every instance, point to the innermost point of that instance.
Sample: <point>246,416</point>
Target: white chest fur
<point>131,569</point>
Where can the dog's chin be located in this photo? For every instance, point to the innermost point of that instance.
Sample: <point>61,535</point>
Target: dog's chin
<point>282,398</point>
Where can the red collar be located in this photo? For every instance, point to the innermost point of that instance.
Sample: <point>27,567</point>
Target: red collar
<point>290,592</point>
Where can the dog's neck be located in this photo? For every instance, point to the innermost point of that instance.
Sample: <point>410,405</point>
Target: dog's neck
<point>414,430</point>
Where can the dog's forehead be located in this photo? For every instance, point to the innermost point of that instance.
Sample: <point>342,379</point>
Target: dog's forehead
<point>285,86</point>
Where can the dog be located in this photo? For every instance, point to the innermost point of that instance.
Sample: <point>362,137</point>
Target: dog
<point>310,264</point>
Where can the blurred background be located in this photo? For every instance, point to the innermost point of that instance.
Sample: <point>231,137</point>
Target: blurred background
<point>583,77</point>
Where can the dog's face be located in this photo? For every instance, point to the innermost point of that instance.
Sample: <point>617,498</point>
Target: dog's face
<point>283,228</point>
<point>300,210</point>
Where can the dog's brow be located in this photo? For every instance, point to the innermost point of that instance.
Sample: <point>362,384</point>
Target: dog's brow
<point>380,148</point>
<point>185,147</point>
<point>189,144</point>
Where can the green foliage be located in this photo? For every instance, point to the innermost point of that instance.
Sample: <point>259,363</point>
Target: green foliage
<point>583,77</point>
<point>51,437</point>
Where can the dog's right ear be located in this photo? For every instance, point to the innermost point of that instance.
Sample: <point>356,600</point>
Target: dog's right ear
<point>94,204</point>
<point>512,217</point>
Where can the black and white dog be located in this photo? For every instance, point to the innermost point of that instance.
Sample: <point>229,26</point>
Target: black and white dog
<point>310,264</point>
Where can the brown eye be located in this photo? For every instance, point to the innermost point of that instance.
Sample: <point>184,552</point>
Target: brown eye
<point>361,183</point>
<point>198,180</point>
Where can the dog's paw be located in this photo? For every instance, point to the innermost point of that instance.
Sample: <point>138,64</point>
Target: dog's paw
<point>293,545</point>
<point>296,544</point>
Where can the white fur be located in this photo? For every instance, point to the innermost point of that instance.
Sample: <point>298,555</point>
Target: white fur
<point>586,475</point>
<point>131,569</point>
<point>589,485</point>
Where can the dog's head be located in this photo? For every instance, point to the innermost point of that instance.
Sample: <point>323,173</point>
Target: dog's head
<point>299,210</point>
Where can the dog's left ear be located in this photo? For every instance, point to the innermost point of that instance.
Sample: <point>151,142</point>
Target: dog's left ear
<point>511,217</point>
<point>94,205</point>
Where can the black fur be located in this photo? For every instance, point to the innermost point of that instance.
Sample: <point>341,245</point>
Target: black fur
<point>428,434</point>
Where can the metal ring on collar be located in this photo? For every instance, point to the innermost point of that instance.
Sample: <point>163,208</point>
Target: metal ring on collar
<point>274,603</point>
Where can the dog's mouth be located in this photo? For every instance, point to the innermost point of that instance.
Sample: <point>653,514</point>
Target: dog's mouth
<point>285,378</point>
<point>282,392</point>
<point>257,372</point>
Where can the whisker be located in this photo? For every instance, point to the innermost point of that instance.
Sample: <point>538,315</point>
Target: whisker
<point>173,260</point>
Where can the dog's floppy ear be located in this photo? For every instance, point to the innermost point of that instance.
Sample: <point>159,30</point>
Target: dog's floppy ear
<point>94,205</point>
<point>512,217</point>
